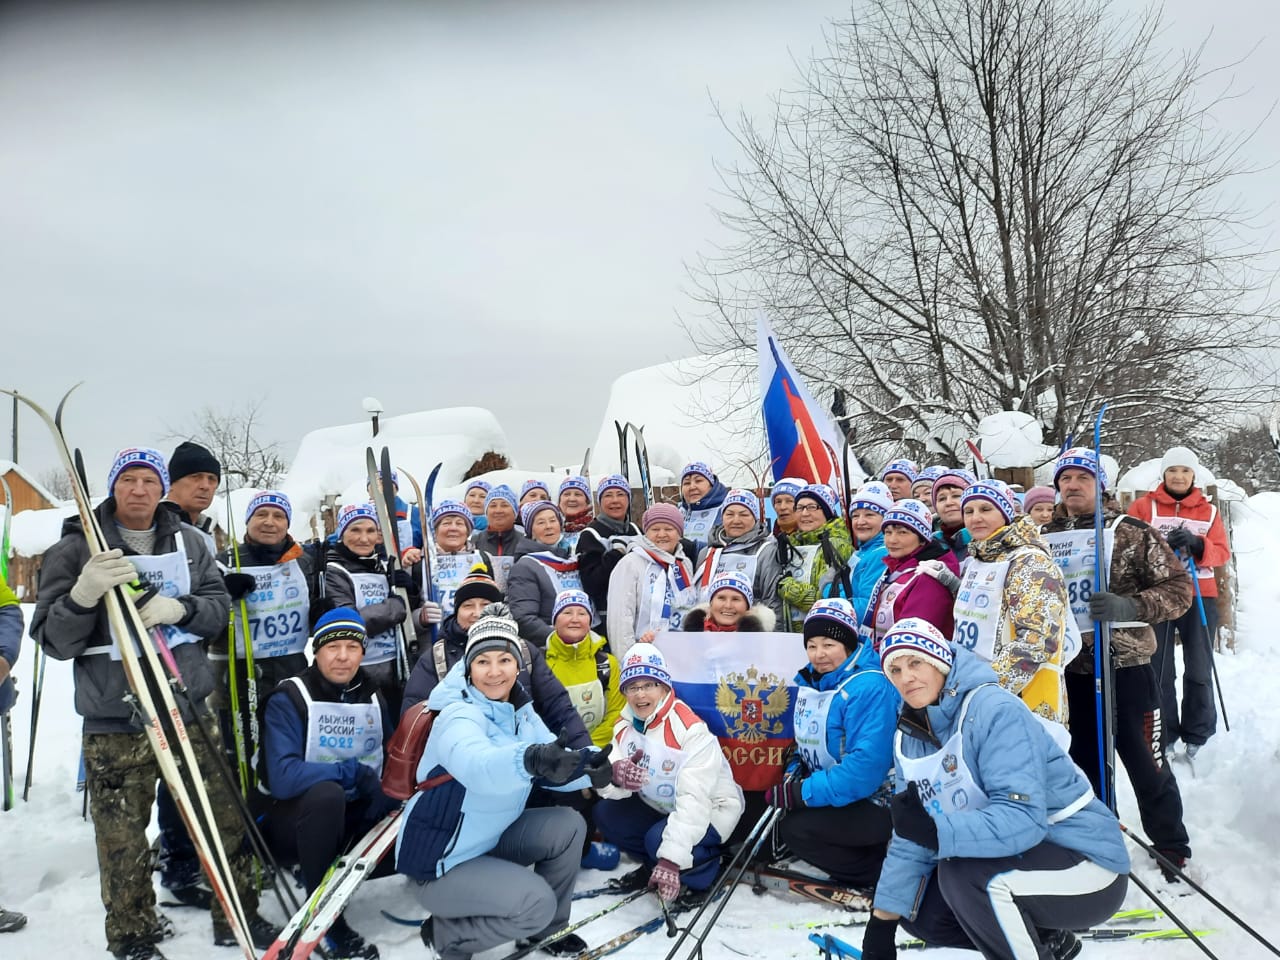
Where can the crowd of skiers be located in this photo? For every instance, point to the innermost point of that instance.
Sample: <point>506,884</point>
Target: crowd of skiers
<point>946,752</point>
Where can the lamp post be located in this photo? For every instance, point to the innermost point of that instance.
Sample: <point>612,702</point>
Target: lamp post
<point>373,407</point>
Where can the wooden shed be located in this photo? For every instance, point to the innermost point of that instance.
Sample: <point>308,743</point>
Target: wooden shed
<point>28,494</point>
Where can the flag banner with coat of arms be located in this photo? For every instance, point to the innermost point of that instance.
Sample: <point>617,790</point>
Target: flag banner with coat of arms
<point>742,685</point>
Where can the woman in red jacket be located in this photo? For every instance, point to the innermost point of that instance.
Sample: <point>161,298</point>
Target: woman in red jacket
<point>1194,529</point>
<point>910,586</point>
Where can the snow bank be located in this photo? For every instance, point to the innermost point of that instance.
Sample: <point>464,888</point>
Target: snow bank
<point>32,532</point>
<point>331,461</point>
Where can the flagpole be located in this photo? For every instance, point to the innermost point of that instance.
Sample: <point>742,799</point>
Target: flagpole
<point>808,454</point>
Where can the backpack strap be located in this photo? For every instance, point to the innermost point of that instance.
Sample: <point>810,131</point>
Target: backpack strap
<point>603,669</point>
<point>441,662</point>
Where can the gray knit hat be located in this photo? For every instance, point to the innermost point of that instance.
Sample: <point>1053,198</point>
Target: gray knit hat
<point>495,630</point>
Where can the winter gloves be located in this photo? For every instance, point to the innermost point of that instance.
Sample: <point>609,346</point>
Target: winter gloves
<point>430,613</point>
<point>878,939</point>
<point>911,820</point>
<point>940,572</point>
<point>666,877</point>
<point>103,571</point>
<point>1112,607</point>
<point>557,764</point>
<point>155,610</point>
<point>400,580</point>
<point>239,585</point>
<point>627,773</point>
<point>1180,538</point>
<point>785,796</point>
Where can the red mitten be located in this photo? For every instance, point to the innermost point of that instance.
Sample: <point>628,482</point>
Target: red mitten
<point>666,877</point>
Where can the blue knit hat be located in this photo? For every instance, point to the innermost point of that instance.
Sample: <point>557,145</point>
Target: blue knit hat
<point>535,507</point>
<point>395,478</point>
<point>452,508</point>
<point>700,468</point>
<point>908,468</point>
<point>932,472</point>
<point>731,580</point>
<point>269,498</point>
<point>743,498</point>
<point>1078,458</point>
<point>913,515</point>
<point>574,483</point>
<point>340,623</point>
<point>825,497</point>
<point>644,660</point>
<point>915,635</point>
<point>833,617</point>
<point>138,457</point>
<point>534,484</point>
<point>996,493</point>
<point>872,496</point>
<point>787,487</point>
<point>356,511</point>
<point>613,481</point>
<point>570,598</point>
<point>501,492</point>
<point>478,484</point>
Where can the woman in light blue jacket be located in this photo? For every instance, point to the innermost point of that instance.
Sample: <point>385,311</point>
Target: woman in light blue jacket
<point>867,508</point>
<point>999,842</point>
<point>468,839</point>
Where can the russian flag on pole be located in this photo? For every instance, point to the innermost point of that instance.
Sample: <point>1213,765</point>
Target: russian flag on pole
<point>742,685</point>
<point>797,427</point>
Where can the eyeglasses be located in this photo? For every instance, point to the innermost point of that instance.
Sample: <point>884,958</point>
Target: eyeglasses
<point>642,688</point>
<point>807,508</point>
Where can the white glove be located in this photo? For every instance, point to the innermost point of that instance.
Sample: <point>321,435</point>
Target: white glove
<point>160,609</point>
<point>102,572</point>
<point>430,613</point>
<point>940,572</point>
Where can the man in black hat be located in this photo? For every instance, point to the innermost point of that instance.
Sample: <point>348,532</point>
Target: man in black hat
<point>194,475</point>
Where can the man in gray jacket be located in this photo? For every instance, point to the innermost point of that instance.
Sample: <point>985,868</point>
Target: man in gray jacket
<point>187,601</point>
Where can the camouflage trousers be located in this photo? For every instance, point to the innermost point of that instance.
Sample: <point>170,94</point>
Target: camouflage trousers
<point>122,772</point>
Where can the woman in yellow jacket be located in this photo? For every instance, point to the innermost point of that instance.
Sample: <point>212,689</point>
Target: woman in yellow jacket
<point>580,661</point>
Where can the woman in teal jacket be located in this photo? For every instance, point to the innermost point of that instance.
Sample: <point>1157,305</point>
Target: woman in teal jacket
<point>867,508</point>
<point>998,838</point>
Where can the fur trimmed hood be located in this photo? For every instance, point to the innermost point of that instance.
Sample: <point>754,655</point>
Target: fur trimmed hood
<point>759,619</point>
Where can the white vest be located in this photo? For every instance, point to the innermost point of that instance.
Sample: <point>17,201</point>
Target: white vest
<point>371,589</point>
<point>169,574</point>
<point>448,570</point>
<point>699,523</point>
<point>1199,527</point>
<point>661,764</point>
<point>811,712</point>
<point>342,731</point>
<point>1073,552</point>
<point>278,606</point>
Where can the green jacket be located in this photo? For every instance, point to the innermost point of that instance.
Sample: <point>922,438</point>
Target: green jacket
<point>798,595</point>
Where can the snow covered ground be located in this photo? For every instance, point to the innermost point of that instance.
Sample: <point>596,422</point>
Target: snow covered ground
<point>48,867</point>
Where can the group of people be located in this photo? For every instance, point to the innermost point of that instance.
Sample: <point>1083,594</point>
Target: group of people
<point>946,756</point>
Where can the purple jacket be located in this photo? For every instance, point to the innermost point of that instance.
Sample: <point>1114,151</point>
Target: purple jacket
<point>922,596</point>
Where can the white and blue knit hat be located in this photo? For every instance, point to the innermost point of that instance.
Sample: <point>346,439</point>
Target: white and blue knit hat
<point>574,483</point>
<point>825,496</point>
<point>613,481</point>
<point>743,498</point>
<point>641,661</point>
<point>501,492</point>
<point>915,635</point>
<point>996,493</point>
<point>833,617</point>
<point>700,468</point>
<point>395,478</point>
<point>535,507</point>
<point>787,487</point>
<point>931,472</point>
<point>356,511</point>
<point>452,508</point>
<point>478,484</point>
<point>534,484</point>
<point>138,457</point>
<point>269,498</point>
<point>913,515</point>
<point>571,598</point>
<point>872,496</point>
<point>731,580</point>
<point>340,623</point>
<point>1078,458</point>
<point>908,468</point>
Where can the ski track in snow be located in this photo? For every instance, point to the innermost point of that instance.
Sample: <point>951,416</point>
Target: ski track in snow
<point>49,866</point>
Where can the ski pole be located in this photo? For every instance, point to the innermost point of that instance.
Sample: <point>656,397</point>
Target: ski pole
<point>1191,935</point>
<point>1204,622</point>
<point>38,667</point>
<point>1104,704</point>
<point>1161,858</point>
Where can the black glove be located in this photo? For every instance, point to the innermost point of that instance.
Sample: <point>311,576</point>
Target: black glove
<point>596,765</point>
<point>1180,538</point>
<point>239,584</point>
<point>554,762</point>
<point>878,939</point>
<point>368,783</point>
<point>1112,607</point>
<point>911,820</point>
<point>400,580</point>
<point>785,796</point>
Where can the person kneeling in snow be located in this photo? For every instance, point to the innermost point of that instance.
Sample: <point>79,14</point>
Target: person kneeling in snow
<point>327,789</point>
<point>672,801</point>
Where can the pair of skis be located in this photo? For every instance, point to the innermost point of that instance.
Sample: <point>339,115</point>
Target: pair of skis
<point>246,741</point>
<point>636,435</point>
<point>425,507</point>
<point>152,698</point>
<point>384,501</point>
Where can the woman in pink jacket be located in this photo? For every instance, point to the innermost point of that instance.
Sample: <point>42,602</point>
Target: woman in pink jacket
<point>911,584</point>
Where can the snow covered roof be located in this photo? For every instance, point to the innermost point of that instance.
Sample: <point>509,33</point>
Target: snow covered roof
<point>32,532</point>
<point>8,465</point>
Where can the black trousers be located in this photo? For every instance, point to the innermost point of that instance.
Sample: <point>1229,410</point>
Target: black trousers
<point>313,829</point>
<point>849,843</point>
<point>1139,745</point>
<point>1001,904</point>
<point>1198,720</point>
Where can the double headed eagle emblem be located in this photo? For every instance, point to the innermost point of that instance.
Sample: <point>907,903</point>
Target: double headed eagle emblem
<point>754,705</point>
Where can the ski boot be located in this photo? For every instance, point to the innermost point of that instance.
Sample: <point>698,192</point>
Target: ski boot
<point>343,943</point>
<point>570,945</point>
<point>11,920</point>
<point>636,879</point>
<point>262,932</point>
<point>185,881</point>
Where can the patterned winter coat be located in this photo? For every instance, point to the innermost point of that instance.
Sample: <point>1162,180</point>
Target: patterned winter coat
<point>1143,568</point>
<point>1031,623</point>
<point>799,595</point>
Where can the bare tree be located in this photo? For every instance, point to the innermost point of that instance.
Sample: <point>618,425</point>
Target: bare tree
<point>56,481</point>
<point>983,205</point>
<point>231,435</point>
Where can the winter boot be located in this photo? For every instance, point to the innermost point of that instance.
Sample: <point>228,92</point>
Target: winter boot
<point>570,945</point>
<point>636,879</point>
<point>1062,944</point>
<point>185,880</point>
<point>1177,859</point>
<point>141,949</point>
<point>601,856</point>
<point>163,929</point>
<point>262,932</point>
<point>11,920</point>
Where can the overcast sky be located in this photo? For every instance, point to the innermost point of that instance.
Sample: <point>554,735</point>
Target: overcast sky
<point>477,203</point>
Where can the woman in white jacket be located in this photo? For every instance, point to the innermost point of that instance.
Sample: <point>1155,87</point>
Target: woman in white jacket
<point>652,587</point>
<point>673,801</point>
